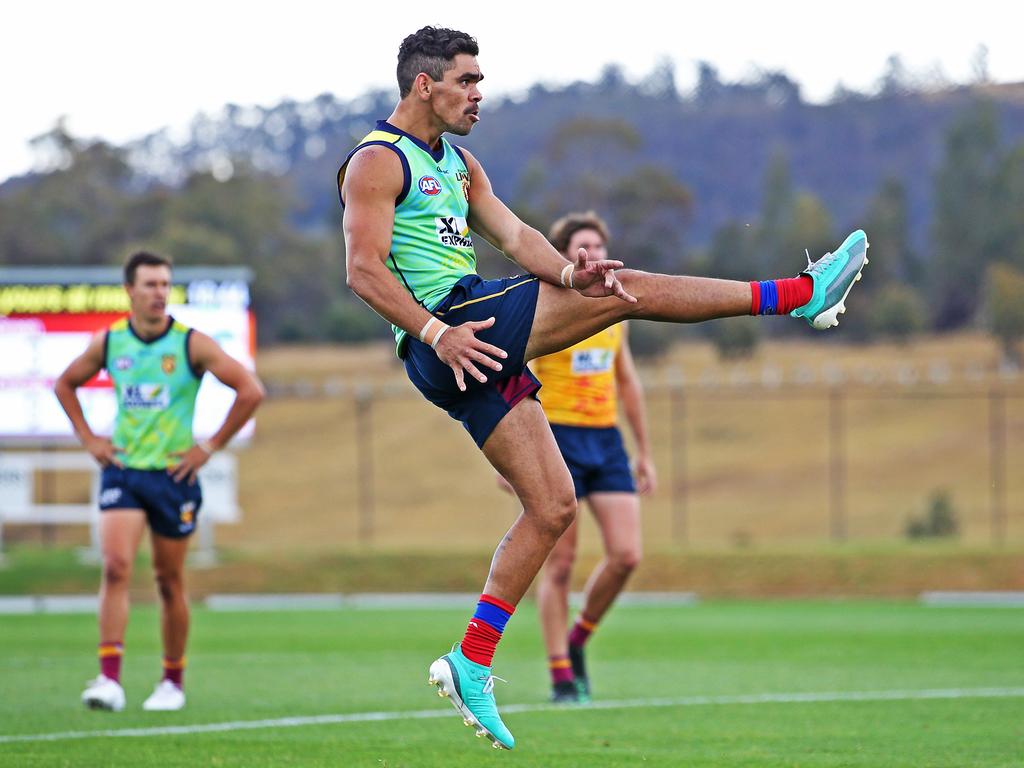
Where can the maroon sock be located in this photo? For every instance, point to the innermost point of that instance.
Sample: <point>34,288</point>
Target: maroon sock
<point>561,669</point>
<point>174,670</point>
<point>110,660</point>
<point>581,630</point>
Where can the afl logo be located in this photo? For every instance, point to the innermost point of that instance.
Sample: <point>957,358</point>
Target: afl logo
<point>430,186</point>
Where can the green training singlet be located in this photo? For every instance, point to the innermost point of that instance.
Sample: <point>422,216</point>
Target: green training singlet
<point>431,248</point>
<point>156,394</point>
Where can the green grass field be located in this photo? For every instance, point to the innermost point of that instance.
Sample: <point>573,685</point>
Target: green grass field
<point>728,668</point>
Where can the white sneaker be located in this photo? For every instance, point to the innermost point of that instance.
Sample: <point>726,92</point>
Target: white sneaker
<point>166,697</point>
<point>104,693</point>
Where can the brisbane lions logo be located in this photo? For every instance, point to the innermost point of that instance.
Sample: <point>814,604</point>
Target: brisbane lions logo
<point>429,185</point>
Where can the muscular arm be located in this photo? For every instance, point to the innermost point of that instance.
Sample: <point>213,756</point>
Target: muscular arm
<point>632,393</point>
<point>206,355</point>
<point>81,369</point>
<point>372,182</point>
<point>492,219</point>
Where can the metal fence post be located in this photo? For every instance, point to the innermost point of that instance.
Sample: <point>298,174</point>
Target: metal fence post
<point>364,462</point>
<point>677,400</point>
<point>837,466</point>
<point>997,440</point>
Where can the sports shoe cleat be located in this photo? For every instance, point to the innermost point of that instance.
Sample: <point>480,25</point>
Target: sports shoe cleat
<point>103,693</point>
<point>564,693</point>
<point>470,688</point>
<point>579,672</point>
<point>833,275</point>
<point>166,697</point>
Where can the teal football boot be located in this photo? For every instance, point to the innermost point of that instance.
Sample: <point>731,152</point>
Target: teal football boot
<point>833,275</point>
<point>470,688</point>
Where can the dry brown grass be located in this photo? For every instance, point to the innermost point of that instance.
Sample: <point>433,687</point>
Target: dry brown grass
<point>757,458</point>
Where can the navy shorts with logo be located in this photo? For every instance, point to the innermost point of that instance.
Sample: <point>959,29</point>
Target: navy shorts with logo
<point>171,508</point>
<point>596,459</point>
<point>511,301</point>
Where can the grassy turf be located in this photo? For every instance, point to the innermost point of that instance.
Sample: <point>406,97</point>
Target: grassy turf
<point>250,666</point>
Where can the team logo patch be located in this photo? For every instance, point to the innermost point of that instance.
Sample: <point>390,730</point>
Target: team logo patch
<point>588,361</point>
<point>146,397</point>
<point>168,363</point>
<point>453,231</point>
<point>187,515</point>
<point>123,363</point>
<point>110,496</point>
<point>429,185</point>
<point>463,178</point>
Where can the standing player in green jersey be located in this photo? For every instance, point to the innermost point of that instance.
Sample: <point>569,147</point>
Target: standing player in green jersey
<point>413,202</point>
<point>150,464</point>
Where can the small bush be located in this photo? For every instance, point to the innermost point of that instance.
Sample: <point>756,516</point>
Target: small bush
<point>939,521</point>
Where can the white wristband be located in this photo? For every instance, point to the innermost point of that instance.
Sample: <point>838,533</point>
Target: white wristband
<point>570,268</point>
<point>207,447</point>
<point>426,327</point>
<point>433,344</point>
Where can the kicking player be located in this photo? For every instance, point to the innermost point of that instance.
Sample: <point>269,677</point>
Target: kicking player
<point>413,202</point>
<point>150,464</point>
<point>581,387</point>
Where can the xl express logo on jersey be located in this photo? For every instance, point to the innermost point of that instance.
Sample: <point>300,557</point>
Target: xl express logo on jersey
<point>587,361</point>
<point>429,185</point>
<point>453,231</point>
<point>146,397</point>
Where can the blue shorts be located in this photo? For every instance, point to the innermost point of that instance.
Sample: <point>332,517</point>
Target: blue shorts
<point>511,301</point>
<point>171,507</point>
<point>596,459</point>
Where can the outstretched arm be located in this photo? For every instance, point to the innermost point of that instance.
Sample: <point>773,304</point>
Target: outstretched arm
<point>81,369</point>
<point>632,393</point>
<point>493,220</point>
<point>372,182</point>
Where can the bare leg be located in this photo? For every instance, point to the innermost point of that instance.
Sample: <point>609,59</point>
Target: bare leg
<point>169,567</point>
<point>553,593</point>
<point>618,515</point>
<point>524,451</point>
<point>564,317</point>
<point>120,533</point>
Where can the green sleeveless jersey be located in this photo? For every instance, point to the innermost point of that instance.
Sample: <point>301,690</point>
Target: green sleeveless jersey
<point>431,248</point>
<point>156,389</point>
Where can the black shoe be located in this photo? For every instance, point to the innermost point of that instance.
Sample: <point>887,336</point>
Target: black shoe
<point>564,693</point>
<point>579,671</point>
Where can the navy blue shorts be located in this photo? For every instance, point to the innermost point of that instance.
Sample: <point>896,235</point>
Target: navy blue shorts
<point>596,459</point>
<point>511,301</point>
<point>171,507</point>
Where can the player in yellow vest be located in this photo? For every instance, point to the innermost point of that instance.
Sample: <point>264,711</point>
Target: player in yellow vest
<point>581,389</point>
<point>150,464</point>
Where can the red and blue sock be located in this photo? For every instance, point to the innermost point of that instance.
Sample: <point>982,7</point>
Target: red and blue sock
<point>780,297</point>
<point>110,660</point>
<point>485,628</point>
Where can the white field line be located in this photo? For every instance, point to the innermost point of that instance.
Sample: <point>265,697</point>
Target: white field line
<point>685,701</point>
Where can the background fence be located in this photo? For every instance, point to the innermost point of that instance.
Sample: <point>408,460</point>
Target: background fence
<point>375,467</point>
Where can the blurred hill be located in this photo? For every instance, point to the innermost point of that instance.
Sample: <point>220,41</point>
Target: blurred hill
<point>718,142</point>
<point>732,179</point>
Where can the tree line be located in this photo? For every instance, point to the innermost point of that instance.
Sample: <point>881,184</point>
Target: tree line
<point>95,204</point>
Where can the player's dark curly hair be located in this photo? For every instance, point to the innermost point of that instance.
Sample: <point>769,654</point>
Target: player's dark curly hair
<point>431,50</point>
<point>143,259</point>
<point>562,230</point>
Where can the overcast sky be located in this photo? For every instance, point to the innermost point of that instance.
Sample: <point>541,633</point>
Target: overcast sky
<point>118,69</point>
